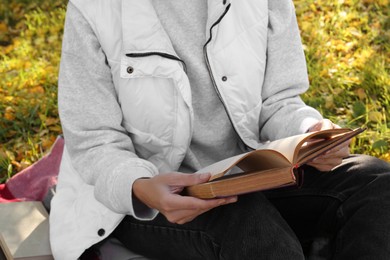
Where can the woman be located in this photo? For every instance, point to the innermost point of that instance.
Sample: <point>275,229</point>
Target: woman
<point>150,91</point>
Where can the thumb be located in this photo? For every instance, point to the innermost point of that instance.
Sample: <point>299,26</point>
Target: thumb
<point>327,124</point>
<point>321,125</point>
<point>202,177</point>
<point>188,179</point>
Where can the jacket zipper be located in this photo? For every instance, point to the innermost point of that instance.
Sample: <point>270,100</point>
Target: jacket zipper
<point>161,54</point>
<point>212,76</point>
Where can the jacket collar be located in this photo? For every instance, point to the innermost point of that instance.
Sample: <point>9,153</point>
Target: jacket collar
<point>215,9</point>
<point>142,30</point>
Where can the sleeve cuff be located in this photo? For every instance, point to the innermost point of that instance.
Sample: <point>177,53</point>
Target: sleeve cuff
<point>115,191</point>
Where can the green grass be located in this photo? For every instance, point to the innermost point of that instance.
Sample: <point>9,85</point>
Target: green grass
<point>30,38</point>
<point>346,44</point>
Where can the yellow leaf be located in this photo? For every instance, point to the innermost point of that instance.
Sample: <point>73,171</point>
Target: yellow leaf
<point>47,143</point>
<point>51,121</point>
<point>55,128</point>
<point>354,32</point>
<point>9,98</point>
<point>24,164</point>
<point>337,91</point>
<point>361,93</point>
<point>10,155</point>
<point>42,117</point>
<point>3,155</point>
<point>37,90</point>
<point>385,157</point>
<point>9,113</point>
<point>329,102</point>
<point>375,116</point>
<point>3,27</point>
<point>384,3</point>
<point>27,64</point>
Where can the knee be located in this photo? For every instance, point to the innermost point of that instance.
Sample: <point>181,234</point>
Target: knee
<point>362,172</point>
<point>367,165</point>
<point>253,206</point>
<point>374,171</point>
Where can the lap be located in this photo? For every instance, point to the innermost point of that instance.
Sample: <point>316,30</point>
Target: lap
<point>316,209</point>
<point>306,212</point>
<point>355,172</point>
<point>250,227</point>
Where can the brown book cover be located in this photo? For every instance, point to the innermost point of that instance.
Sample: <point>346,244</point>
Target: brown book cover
<point>273,165</point>
<point>24,231</point>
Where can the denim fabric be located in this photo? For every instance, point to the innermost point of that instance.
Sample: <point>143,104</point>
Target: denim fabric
<point>342,214</point>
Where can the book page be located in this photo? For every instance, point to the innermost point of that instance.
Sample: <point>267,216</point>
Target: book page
<point>275,154</point>
<point>291,146</point>
<point>220,168</point>
<point>24,230</point>
<point>285,146</point>
<point>261,160</point>
<point>313,145</point>
<point>257,160</point>
<point>321,143</point>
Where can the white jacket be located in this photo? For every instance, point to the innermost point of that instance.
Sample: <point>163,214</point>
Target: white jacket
<point>142,61</point>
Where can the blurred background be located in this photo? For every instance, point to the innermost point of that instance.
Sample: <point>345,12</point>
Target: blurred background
<point>346,43</point>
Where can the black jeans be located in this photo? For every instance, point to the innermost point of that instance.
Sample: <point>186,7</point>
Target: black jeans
<point>342,214</point>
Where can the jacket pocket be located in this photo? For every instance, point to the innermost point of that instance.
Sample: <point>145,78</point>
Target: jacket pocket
<point>147,145</point>
<point>156,64</point>
<point>150,101</point>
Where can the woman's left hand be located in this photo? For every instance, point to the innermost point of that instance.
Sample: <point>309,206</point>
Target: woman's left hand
<point>333,157</point>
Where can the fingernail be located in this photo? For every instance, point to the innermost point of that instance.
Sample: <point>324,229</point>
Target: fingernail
<point>204,176</point>
<point>231,200</point>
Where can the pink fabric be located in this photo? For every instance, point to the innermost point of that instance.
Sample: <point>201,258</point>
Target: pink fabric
<point>6,195</point>
<point>33,183</point>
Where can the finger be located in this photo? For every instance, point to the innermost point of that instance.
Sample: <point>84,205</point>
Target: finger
<point>187,202</point>
<point>338,152</point>
<point>191,216</point>
<point>321,167</point>
<point>327,124</point>
<point>185,179</point>
<point>181,216</point>
<point>323,125</point>
<point>185,215</point>
<point>179,204</point>
<point>344,144</point>
<point>328,161</point>
<point>326,164</point>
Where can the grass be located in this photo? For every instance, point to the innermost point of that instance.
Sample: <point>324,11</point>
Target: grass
<point>346,44</point>
<point>30,44</point>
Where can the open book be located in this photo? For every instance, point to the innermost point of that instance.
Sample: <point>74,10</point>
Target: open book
<point>24,231</point>
<point>273,165</point>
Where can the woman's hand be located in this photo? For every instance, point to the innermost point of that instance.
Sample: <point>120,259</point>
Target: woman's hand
<point>333,157</point>
<point>162,193</point>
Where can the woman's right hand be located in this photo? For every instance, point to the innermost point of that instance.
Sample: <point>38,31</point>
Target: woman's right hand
<point>162,193</point>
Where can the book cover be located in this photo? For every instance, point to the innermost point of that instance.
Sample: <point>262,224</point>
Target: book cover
<point>272,165</point>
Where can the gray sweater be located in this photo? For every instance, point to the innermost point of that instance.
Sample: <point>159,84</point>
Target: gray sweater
<point>185,22</point>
